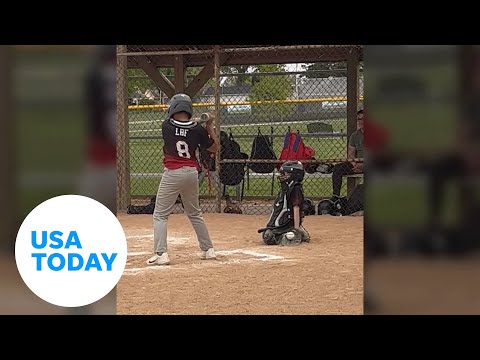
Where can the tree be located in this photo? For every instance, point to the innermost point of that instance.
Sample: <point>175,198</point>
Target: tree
<point>139,82</point>
<point>273,87</point>
<point>327,69</point>
<point>243,77</point>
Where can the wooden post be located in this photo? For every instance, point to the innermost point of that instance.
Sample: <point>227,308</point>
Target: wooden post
<point>157,77</point>
<point>123,138</point>
<point>179,74</point>
<point>200,80</point>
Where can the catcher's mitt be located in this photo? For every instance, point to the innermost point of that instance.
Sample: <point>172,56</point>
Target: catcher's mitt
<point>293,237</point>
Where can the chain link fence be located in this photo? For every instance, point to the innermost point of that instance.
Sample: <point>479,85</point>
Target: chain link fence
<point>270,102</point>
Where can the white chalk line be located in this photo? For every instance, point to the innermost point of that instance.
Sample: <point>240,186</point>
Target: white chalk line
<point>257,257</point>
<point>148,236</point>
<point>260,256</point>
<point>138,253</point>
<point>135,271</point>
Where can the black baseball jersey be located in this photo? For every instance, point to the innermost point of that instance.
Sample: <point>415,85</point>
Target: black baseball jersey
<point>181,140</point>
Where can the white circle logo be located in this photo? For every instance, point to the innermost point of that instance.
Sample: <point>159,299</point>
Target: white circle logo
<point>71,251</point>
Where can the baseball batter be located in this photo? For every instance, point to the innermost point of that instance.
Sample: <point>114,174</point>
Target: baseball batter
<point>181,137</point>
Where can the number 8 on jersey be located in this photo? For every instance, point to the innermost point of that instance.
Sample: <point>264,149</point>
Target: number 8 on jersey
<point>182,149</point>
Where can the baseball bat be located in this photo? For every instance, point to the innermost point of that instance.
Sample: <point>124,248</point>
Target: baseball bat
<point>204,117</point>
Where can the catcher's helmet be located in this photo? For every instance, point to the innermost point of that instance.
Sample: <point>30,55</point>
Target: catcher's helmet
<point>325,207</point>
<point>339,204</point>
<point>180,102</point>
<point>308,207</point>
<point>292,170</point>
<point>334,206</point>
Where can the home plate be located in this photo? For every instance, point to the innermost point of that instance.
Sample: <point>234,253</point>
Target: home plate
<point>253,255</point>
<point>225,257</point>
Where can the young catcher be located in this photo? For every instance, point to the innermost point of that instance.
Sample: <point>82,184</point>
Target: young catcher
<point>285,224</point>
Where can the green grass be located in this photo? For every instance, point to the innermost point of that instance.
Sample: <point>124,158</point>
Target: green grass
<point>146,154</point>
<point>314,188</point>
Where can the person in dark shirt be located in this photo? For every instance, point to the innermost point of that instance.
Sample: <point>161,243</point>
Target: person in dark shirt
<point>355,151</point>
<point>181,137</point>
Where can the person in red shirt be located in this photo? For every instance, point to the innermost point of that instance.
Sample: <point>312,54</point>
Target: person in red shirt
<point>181,137</point>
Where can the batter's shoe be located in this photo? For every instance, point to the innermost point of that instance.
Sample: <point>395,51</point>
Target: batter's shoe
<point>159,259</point>
<point>209,254</point>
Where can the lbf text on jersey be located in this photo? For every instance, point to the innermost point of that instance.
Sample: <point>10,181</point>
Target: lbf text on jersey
<point>181,132</point>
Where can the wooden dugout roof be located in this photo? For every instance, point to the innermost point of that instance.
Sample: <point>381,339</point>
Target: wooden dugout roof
<point>201,55</point>
<point>150,58</point>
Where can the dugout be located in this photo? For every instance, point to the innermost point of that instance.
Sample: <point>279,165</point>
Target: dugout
<point>210,58</point>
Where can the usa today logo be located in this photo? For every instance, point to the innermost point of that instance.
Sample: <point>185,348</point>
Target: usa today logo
<point>71,251</point>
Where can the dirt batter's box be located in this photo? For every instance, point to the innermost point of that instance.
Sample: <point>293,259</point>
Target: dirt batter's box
<point>324,276</point>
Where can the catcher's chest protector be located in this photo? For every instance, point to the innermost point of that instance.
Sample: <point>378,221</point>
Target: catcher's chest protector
<point>282,213</point>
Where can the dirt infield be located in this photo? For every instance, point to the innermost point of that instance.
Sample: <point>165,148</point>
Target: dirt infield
<point>324,276</point>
